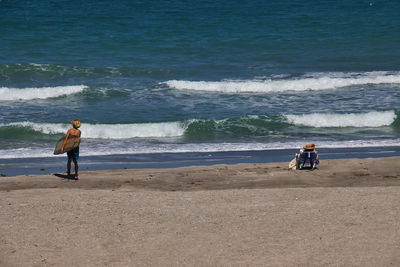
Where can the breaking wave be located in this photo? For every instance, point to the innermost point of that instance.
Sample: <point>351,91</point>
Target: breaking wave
<point>108,131</point>
<point>195,129</point>
<point>370,119</point>
<point>13,94</point>
<point>313,82</point>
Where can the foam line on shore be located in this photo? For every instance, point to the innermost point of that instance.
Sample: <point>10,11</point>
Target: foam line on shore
<point>117,148</point>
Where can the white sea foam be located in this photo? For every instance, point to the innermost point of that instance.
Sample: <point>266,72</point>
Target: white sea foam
<point>310,82</point>
<point>123,131</point>
<point>124,148</point>
<point>12,94</point>
<point>46,128</point>
<point>370,119</point>
<point>111,131</point>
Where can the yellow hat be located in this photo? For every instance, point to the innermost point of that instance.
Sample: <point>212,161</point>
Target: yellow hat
<point>309,147</point>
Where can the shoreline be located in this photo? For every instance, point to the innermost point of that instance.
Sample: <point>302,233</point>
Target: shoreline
<point>26,166</point>
<point>254,214</point>
<point>354,172</point>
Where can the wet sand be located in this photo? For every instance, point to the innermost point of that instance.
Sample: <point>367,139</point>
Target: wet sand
<point>346,213</point>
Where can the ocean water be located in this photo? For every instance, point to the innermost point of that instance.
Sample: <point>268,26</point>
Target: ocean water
<point>198,76</point>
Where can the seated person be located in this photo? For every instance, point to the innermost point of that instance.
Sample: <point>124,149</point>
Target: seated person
<point>307,154</point>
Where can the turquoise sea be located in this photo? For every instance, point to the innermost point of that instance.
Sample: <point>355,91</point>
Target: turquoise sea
<point>174,76</point>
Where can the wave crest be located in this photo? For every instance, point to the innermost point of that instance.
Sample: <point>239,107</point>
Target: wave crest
<point>13,94</point>
<point>319,120</point>
<point>206,129</point>
<point>111,131</point>
<point>315,82</point>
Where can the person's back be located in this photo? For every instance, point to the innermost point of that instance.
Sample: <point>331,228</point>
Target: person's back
<point>73,131</point>
<point>307,154</point>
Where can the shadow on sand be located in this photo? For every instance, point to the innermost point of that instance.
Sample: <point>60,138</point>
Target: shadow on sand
<point>64,176</point>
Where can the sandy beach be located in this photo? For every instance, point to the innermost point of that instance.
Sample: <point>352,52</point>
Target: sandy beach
<point>345,214</point>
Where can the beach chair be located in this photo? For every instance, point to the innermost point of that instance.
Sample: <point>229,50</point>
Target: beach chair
<point>307,157</point>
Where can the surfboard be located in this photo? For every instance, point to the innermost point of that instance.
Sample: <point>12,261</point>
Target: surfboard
<point>72,142</point>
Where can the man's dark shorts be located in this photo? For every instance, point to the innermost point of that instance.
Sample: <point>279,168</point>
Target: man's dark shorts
<point>73,154</point>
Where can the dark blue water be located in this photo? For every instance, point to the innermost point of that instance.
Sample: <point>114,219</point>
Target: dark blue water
<point>185,38</point>
<point>198,76</point>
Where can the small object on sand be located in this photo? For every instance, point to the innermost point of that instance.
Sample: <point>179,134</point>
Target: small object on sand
<point>3,175</point>
<point>292,164</point>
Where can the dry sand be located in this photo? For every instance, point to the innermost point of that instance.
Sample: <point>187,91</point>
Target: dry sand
<point>346,214</point>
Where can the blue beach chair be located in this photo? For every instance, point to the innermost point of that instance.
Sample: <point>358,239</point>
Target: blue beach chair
<point>307,157</point>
